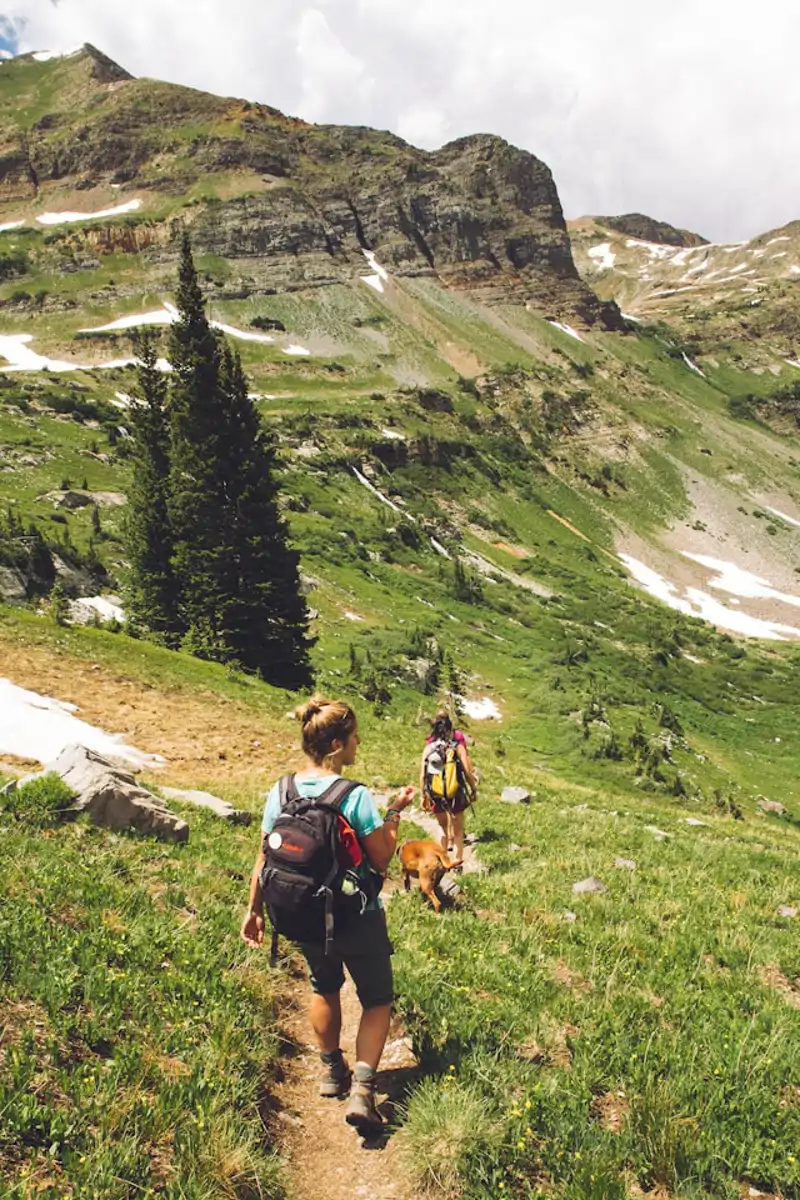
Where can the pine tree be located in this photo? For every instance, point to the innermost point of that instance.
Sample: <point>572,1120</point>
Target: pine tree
<point>241,598</point>
<point>266,619</point>
<point>153,594</point>
<point>198,507</point>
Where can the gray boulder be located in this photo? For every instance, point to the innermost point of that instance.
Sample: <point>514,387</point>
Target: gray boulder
<point>625,864</point>
<point>220,808</point>
<point>111,797</point>
<point>771,806</point>
<point>515,795</point>
<point>12,585</point>
<point>589,887</point>
<point>448,888</point>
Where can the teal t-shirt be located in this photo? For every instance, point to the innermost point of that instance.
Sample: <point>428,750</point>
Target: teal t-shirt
<point>359,810</point>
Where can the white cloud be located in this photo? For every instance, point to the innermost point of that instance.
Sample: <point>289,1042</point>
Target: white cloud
<point>685,111</point>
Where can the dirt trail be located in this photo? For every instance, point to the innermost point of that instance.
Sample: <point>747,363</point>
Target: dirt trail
<point>325,1156</point>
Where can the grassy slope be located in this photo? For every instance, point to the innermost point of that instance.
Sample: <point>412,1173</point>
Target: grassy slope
<point>668,999</point>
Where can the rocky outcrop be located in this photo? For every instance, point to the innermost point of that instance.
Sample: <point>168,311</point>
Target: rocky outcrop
<point>111,797</point>
<point>211,803</point>
<point>480,215</point>
<point>647,229</point>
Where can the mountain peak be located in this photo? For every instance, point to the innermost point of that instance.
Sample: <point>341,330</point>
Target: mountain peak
<point>648,229</point>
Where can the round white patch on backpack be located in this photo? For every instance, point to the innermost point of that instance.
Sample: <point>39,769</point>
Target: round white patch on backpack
<point>274,841</point>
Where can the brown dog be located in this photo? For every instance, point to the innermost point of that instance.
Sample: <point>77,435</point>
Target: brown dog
<point>428,862</point>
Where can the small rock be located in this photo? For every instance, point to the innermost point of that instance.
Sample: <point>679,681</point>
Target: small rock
<point>290,1119</point>
<point>770,806</point>
<point>515,795</point>
<point>9,788</point>
<point>448,888</point>
<point>625,864</point>
<point>589,887</point>
<point>657,833</point>
<point>785,910</point>
<point>695,822</point>
<point>569,917</point>
<point>220,808</point>
<point>514,848</point>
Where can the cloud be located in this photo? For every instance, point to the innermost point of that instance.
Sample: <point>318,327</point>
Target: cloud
<point>685,111</point>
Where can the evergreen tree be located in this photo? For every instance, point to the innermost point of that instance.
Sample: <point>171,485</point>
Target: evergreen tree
<point>240,588</point>
<point>153,597</point>
<point>198,508</point>
<point>266,618</point>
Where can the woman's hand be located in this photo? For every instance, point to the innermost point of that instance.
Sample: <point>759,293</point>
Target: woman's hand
<point>252,932</point>
<point>403,798</point>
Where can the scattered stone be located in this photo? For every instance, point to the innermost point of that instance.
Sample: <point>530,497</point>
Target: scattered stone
<point>111,796</point>
<point>589,887</point>
<point>514,848</point>
<point>220,808</point>
<point>569,917</point>
<point>695,822</point>
<point>515,795</point>
<point>770,806</point>
<point>657,833</point>
<point>290,1119</point>
<point>625,864</point>
<point>9,788</point>
<point>785,910</point>
<point>109,499</point>
<point>68,499</point>
<point>12,585</point>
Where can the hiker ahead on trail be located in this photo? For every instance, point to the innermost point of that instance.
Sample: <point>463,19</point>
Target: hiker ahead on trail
<point>319,873</point>
<point>447,781</point>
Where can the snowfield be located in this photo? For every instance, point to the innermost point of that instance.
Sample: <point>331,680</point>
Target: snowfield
<point>63,218</point>
<point>39,727</point>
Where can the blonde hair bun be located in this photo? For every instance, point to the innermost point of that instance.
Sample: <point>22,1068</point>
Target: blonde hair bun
<point>311,708</point>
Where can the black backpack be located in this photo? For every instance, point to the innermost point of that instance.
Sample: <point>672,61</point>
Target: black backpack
<point>309,890</point>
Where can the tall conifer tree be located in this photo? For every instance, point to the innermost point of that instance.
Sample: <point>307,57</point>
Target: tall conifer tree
<point>198,506</point>
<point>267,620</point>
<point>152,599</point>
<point>240,590</point>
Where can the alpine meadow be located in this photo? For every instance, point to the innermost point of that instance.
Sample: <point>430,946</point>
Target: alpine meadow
<point>289,407</point>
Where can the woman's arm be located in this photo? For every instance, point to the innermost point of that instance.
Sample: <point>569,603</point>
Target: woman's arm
<point>380,845</point>
<point>252,931</point>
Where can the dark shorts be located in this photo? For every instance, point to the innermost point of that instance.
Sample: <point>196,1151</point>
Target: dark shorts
<point>364,948</point>
<point>459,805</point>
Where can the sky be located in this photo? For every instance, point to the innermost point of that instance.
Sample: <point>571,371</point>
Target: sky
<point>682,109</point>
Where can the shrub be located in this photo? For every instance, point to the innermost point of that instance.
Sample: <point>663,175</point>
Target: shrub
<point>39,803</point>
<point>448,1131</point>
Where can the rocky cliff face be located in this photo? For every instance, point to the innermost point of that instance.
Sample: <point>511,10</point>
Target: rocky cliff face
<point>480,214</point>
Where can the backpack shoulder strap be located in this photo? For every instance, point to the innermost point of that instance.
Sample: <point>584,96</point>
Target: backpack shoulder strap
<point>287,791</point>
<point>337,793</point>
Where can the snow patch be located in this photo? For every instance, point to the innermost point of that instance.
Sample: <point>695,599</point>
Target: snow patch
<point>43,56</point>
<point>439,548</point>
<point>696,603</point>
<point>63,218</point>
<point>39,727</point>
<point>782,238</point>
<point>393,435</point>
<point>776,511</point>
<point>297,351</point>
<point>573,333</point>
<point>692,366</point>
<point>168,315</point>
<point>630,317</point>
<point>481,710</point>
<point>603,256</point>
<point>654,249</point>
<point>107,608</point>
<point>14,349</point>
<point>380,274</point>
<point>738,582</point>
<point>362,479</point>
<point>351,616</point>
<point>9,225</point>
<point>782,254</point>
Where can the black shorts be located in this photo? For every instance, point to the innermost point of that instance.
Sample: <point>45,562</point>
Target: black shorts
<point>365,949</point>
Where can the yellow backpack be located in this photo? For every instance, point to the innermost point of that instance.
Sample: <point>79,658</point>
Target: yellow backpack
<point>444,770</point>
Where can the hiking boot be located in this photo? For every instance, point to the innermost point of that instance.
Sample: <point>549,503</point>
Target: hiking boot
<point>361,1111</point>
<point>334,1082</point>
